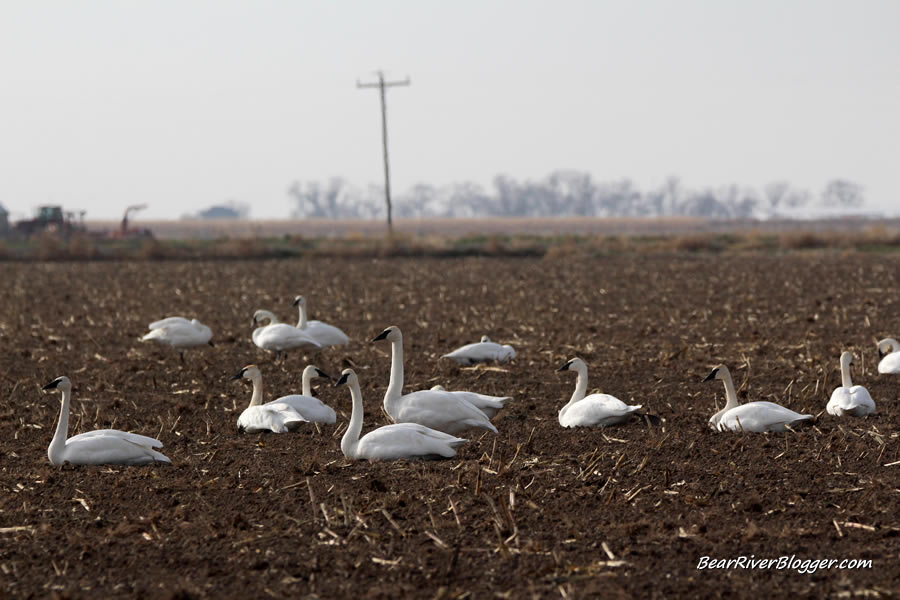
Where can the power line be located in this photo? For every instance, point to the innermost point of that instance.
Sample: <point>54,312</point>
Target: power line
<point>381,85</point>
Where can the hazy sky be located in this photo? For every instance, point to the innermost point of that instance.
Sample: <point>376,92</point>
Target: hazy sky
<point>186,103</point>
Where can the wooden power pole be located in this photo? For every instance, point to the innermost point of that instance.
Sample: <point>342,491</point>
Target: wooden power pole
<point>381,85</point>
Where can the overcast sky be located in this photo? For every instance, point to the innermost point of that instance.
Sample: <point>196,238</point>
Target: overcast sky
<point>182,104</point>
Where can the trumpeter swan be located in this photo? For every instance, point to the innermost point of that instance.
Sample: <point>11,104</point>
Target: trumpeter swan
<point>596,410</point>
<point>753,416</point>
<point>180,333</point>
<point>275,416</point>
<point>101,447</point>
<point>488,405</point>
<point>889,356</point>
<point>849,399</point>
<point>483,351</point>
<point>280,337</point>
<point>325,334</point>
<point>391,442</point>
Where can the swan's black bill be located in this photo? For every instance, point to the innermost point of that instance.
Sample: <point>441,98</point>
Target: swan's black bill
<point>712,375</point>
<point>322,373</point>
<point>565,367</point>
<point>240,375</point>
<point>880,354</point>
<point>297,300</point>
<point>52,385</point>
<point>211,344</point>
<point>382,335</point>
<point>342,380</point>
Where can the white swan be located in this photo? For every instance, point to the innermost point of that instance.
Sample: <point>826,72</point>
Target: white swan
<point>889,356</point>
<point>325,334</point>
<point>275,416</point>
<point>391,442</point>
<point>596,410</point>
<point>489,405</point>
<point>849,399</point>
<point>483,351</point>
<point>753,416</point>
<point>101,447</point>
<point>179,332</point>
<point>280,337</point>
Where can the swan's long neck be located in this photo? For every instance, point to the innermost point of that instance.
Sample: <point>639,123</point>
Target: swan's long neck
<point>731,399</point>
<point>257,397</point>
<point>301,324</point>
<point>845,371</point>
<point>306,381</point>
<point>581,382</point>
<point>395,386</point>
<point>351,436</point>
<point>58,443</point>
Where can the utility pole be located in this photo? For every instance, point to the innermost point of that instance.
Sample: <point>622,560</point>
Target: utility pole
<point>381,85</point>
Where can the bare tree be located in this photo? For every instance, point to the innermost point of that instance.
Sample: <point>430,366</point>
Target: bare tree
<point>843,193</point>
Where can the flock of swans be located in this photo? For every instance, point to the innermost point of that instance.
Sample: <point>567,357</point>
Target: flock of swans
<point>426,422</point>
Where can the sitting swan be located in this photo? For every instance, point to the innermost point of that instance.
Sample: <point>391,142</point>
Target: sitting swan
<point>489,405</point>
<point>179,332</point>
<point>325,334</point>
<point>280,337</point>
<point>101,447</point>
<point>483,351</point>
<point>391,442</point>
<point>849,399</point>
<point>753,416</point>
<point>596,410</point>
<point>889,356</point>
<point>275,416</point>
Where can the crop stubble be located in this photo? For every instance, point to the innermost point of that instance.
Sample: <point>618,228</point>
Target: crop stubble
<point>535,511</point>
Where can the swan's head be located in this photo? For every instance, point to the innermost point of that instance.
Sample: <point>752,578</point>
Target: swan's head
<point>391,334</point>
<point>264,315</point>
<point>846,358</point>
<point>298,300</point>
<point>248,372</point>
<point>348,377</point>
<point>575,364</point>
<point>485,339</point>
<point>60,383</point>
<point>720,372</point>
<point>313,371</point>
<point>886,346</point>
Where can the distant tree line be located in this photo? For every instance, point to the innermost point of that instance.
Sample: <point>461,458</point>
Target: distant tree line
<point>564,193</point>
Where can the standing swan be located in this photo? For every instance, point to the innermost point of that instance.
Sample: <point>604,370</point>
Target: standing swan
<point>325,334</point>
<point>849,399</point>
<point>275,416</point>
<point>889,355</point>
<point>280,337</point>
<point>483,351</point>
<point>391,442</point>
<point>101,447</point>
<point>488,405</point>
<point>179,332</point>
<point>596,410</point>
<point>753,416</point>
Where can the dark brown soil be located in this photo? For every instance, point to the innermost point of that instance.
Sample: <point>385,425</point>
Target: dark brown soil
<point>536,511</point>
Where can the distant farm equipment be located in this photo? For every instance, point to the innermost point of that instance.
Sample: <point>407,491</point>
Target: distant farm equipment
<point>124,232</point>
<point>50,219</point>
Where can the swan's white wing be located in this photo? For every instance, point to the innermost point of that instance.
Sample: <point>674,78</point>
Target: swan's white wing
<point>168,321</point>
<point>108,447</point>
<point>438,410</point>
<point>281,337</point>
<point>890,364</point>
<point>489,405</point>
<point>761,417</point>
<point>407,440</point>
<point>312,409</point>
<point>325,334</point>
<point>481,352</point>
<point>273,416</point>
<point>853,401</point>
<point>181,335</point>
<point>597,410</point>
<point>134,438</point>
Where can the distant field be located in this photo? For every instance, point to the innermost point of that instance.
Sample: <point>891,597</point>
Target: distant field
<point>318,228</point>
